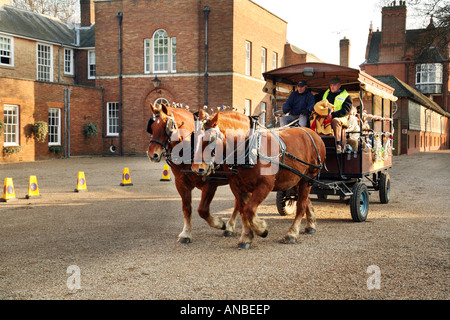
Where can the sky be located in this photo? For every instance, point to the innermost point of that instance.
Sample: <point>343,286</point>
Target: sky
<point>317,26</point>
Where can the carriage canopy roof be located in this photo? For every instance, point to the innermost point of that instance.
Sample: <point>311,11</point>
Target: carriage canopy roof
<point>318,76</point>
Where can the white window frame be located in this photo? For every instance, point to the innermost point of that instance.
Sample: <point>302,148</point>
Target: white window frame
<point>167,52</point>
<point>248,107</point>
<point>160,101</point>
<point>160,52</point>
<point>44,60</point>
<point>263,61</point>
<point>248,58</point>
<point>147,55</point>
<point>112,119</point>
<point>173,55</point>
<point>426,71</point>
<point>11,127</point>
<point>54,127</point>
<point>274,60</point>
<point>68,61</point>
<point>7,50</point>
<point>91,64</point>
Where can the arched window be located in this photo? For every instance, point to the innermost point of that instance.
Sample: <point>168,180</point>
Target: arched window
<point>160,101</point>
<point>160,51</point>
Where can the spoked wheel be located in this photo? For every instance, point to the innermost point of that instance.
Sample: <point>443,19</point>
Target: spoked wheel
<point>286,202</point>
<point>359,202</point>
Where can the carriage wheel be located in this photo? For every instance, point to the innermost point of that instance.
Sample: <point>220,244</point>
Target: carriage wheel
<point>385,187</point>
<point>286,205</point>
<point>359,202</point>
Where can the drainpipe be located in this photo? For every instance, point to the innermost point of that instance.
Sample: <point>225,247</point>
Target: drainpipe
<point>59,63</point>
<point>119,17</point>
<point>206,11</point>
<point>67,121</point>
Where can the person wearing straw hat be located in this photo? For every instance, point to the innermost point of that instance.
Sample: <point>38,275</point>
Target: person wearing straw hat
<point>342,102</point>
<point>299,105</point>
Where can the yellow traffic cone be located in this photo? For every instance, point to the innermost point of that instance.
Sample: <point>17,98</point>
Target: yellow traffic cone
<point>33,189</point>
<point>8,191</point>
<point>81,182</point>
<point>165,175</point>
<point>126,178</point>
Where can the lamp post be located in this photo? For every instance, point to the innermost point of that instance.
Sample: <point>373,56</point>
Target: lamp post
<point>156,83</point>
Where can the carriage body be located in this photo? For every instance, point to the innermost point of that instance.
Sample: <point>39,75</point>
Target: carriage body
<point>347,175</point>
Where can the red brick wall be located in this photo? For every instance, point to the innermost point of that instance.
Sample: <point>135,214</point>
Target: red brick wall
<point>230,24</point>
<point>34,99</point>
<point>25,60</point>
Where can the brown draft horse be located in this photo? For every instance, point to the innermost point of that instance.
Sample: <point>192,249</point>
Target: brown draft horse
<point>171,128</point>
<point>251,185</point>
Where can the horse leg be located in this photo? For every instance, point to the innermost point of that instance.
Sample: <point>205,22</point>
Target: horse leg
<point>184,189</point>
<point>302,190</point>
<point>250,219</point>
<point>186,198</point>
<point>208,193</point>
<point>247,234</point>
<point>240,201</point>
<point>231,223</point>
<point>310,218</point>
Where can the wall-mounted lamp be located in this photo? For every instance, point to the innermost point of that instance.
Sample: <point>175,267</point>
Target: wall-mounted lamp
<point>308,72</point>
<point>156,83</point>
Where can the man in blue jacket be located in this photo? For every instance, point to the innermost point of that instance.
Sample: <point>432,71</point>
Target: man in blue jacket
<point>299,105</point>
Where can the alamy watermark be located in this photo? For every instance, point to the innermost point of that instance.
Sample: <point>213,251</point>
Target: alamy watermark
<point>234,147</point>
<point>374,281</point>
<point>74,280</point>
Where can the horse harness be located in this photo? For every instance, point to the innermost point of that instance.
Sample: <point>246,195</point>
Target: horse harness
<point>252,147</point>
<point>284,152</point>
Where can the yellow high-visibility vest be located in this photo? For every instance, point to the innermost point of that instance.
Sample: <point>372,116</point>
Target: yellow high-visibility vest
<point>339,100</point>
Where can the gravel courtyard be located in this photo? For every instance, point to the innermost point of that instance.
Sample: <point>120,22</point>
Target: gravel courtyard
<point>122,240</point>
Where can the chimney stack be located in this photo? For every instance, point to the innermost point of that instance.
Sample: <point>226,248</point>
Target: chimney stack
<point>344,52</point>
<point>393,23</point>
<point>87,11</point>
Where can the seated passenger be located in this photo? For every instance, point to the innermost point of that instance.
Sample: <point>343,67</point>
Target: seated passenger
<point>353,128</point>
<point>318,119</point>
<point>299,105</point>
<point>342,102</point>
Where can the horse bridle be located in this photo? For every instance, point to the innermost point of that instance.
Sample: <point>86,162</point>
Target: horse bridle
<point>171,126</point>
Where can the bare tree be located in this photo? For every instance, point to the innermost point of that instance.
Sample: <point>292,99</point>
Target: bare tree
<point>67,10</point>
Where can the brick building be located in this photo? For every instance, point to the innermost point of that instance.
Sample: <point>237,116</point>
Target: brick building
<point>121,58</point>
<point>44,77</point>
<point>416,63</point>
<point>203,52</point>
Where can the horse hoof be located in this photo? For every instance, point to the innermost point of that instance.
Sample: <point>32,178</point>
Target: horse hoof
<point>184,240</point>
<point>289,240</point>
<point>227,233</point>
<point>310,231</point>
<point>224,226</point>
<point>264,234</point>
<point>244,246</point>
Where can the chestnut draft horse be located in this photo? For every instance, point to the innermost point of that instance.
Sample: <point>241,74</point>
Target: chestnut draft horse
<point>172,128</point>
<point>286,158</point>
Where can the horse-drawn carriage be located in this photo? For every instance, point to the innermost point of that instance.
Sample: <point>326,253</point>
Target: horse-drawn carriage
<point>347,176</point>
<point>294,162</point>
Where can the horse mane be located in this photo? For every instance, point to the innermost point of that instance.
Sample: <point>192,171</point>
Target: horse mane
<point>228,120</point>
<point>183,117</point>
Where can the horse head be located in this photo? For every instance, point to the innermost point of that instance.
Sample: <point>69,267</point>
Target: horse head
<point>168,126</point>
